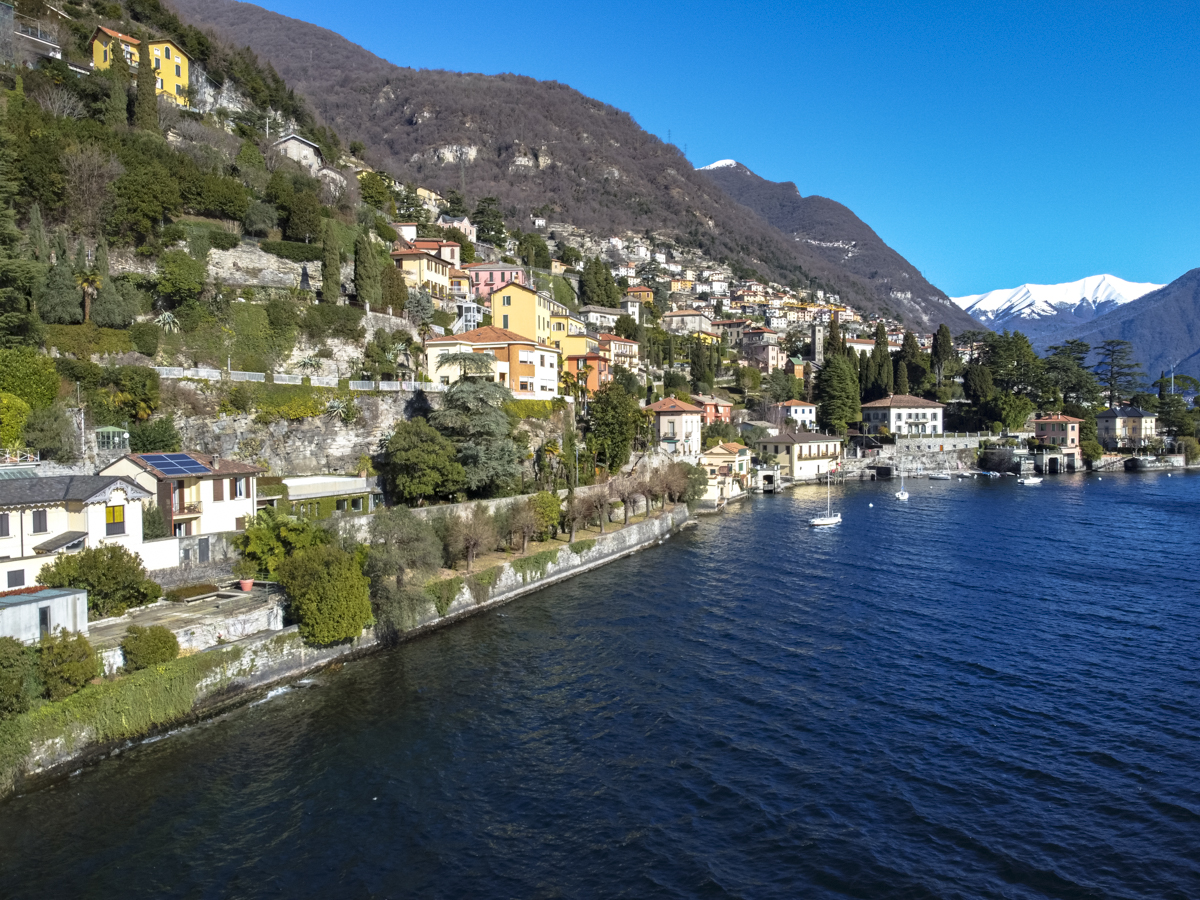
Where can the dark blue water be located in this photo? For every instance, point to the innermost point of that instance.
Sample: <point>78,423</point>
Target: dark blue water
<point>990,692</point>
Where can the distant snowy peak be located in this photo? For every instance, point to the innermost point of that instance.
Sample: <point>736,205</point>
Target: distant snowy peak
<point>720,164</point>
<point>1081,300</point>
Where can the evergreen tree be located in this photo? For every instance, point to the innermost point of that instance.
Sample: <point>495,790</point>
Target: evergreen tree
<point>879,369</point>
<point>367,271</point>
<point>115,110</point>
<point>700,364</point>
<point>489,221</point>
<point>837,394</point>
<point>60,301</point>
<point>331,264</point>
<point>145,109</point>
<point>1119,373</point>
<point>943,351</point>
<point>112,308</point>
<point>864,373</point>
<point>18,275</point>
<point>395,291</point>
<point>597,287</point>
<point>901,375</point>
<point>35,235</point>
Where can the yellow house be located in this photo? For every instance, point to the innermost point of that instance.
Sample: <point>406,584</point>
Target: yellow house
<point>425,270</point>
<point>569,334</point>
<point>528,313</point>
<point>170,63</point>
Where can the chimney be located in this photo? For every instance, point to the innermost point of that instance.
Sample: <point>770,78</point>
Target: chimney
<point>216,461</point>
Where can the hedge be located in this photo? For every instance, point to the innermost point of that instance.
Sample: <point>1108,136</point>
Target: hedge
<point>293,250</point>
<point>187,591</point>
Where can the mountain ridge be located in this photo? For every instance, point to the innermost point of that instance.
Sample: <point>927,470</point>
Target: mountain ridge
<point>833,231</point>
<point>1044,312</point>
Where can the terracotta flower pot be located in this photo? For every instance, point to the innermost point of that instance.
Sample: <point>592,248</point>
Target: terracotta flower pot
<point>247,584</point>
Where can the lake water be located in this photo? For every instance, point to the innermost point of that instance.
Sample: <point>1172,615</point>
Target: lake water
<point>992,691</point>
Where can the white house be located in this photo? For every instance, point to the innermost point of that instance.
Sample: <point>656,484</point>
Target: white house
<point>43,517</point>
<point>677,426</point>
<point>903,414</point>
<point>197,494</point>
<point>686,321</point>
<point>801,412</point>
<point>462,223</point>
<point>600,317</point>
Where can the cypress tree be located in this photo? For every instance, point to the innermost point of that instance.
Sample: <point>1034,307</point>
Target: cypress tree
<point>81,265</point>
<point>60,300</point>
<point>111,308</point>
<point>145,109</point>
<point>115,109</point>
<point>864,373</point>
<point>881,379</point>
<point>331,265</point>
<point>367,281</point>
<point>395,291</point>
<point>837,394</point>
<point>943,351</point>
<point>35,235</point>
<point>18,275</point>
<point>901,375</point>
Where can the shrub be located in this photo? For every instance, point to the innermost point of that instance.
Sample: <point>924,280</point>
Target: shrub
<point>530,409</point>
<point>1091,450</point>
<point>114,578</point>
<point>66,662</point>
<point>173,234</point>
<point>13,413</point>
<point>548,509</point>
<point>51,434</point>
<point>154,526</point>
<point>293,250</point>
<point>18,677</point>
<point>224,240</point>
<point>146,647</point>
<point>156,436</point>
<point>187,591</point>
<point>30,376</point>
<point>181,277</point>
<point>85,341</point>
<point>272,536</point>
<point>328,320</point>
<point>1189,447</point>
<point>144,336</point>
<point>330,596</point>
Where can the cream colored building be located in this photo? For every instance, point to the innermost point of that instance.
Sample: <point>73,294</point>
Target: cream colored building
<point>802,456</point>
<point>677,426</point>
<point>529,369</point>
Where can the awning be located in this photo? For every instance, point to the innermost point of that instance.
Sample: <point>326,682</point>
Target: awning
<point>66,539</point>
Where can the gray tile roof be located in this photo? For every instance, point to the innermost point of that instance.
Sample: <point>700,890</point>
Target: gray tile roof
<point>63,489</point>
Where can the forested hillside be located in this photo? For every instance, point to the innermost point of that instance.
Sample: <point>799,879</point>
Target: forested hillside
<point>538,146</point>
<point>834,232</point>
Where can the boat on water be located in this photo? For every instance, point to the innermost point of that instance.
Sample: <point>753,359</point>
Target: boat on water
<point>940,476</point>
<point>1030,479</point>
<point>830,517</point>
<point>902,494</point>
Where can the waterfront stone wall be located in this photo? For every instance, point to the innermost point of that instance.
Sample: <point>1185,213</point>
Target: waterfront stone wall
<point>242,668</point>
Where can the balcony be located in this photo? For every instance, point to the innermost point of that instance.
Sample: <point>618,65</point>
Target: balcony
<point>187,509</point>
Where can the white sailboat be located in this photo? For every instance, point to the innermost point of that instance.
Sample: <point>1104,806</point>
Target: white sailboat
<point>830,517</point>
<point>1030,479</point>
<point>902,494</point>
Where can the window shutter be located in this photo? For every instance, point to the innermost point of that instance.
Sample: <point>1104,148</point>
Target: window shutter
<point>233,489</point>
<point>218,489</point>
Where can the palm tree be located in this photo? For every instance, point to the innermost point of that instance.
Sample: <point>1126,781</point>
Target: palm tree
<point>90,283</point>
<point>468,363</point>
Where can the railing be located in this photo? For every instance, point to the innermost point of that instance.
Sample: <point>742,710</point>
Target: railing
<point>247,376</point>
<point>15,457</point>
<point>203,374</point>
<point>189,508</point>
<point>169,371</point>
<point>279,378</point>
<point>362,385</point>
<point>323,381</point>
<point>389,385</point>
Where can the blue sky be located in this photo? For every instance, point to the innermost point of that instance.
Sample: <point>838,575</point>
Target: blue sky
<point>990,144</point>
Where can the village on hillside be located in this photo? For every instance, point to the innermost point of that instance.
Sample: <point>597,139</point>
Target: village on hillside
<point>229,343</point>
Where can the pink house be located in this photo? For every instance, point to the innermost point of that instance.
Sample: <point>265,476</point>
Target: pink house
<point>487,277</point>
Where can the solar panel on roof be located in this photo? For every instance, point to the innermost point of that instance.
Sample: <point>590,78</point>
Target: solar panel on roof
<point>175,464</point>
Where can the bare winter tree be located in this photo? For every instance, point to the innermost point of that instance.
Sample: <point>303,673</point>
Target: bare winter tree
<point>598,504</point>
<point>168,114</point>
<point>59,102</point>
<point>90,174</point>
<point>625,490</point>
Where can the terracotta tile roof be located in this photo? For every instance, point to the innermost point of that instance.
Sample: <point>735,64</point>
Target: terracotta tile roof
<point>488,334</point>
<point>733,447</point>
<point>903,401</point>
<point>124,37</point>
<point>797,403</point>
<point>1056,417</point>
<point>671,405</point>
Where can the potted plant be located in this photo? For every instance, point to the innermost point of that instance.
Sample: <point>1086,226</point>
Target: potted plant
<point>246,571</point>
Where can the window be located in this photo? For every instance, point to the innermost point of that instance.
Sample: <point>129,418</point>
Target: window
<point>106,54</point>
<point>178,73</point>
<point>114,520</point>
<point>39,522</point>
<point>239,524</point>
<point>218,489</point>
<point>4,529</point>
<point>202,550</point>
<point>237,488</point>
<point>179,89</point>
<point>158,83</point>
<point>340,505</point>
<point>356,504</point>
<point>158,64</point>
<point>44,620</point>
<point>168,52</point>
<point>16,578</point>
<point>505,325</point>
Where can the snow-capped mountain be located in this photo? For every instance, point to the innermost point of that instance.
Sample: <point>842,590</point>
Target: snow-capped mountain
<point>1042,311</point>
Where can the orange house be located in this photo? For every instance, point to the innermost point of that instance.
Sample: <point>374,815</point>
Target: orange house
<point>596,366</point>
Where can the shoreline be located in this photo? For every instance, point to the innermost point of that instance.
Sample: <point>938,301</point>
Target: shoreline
<point>58,739</point>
